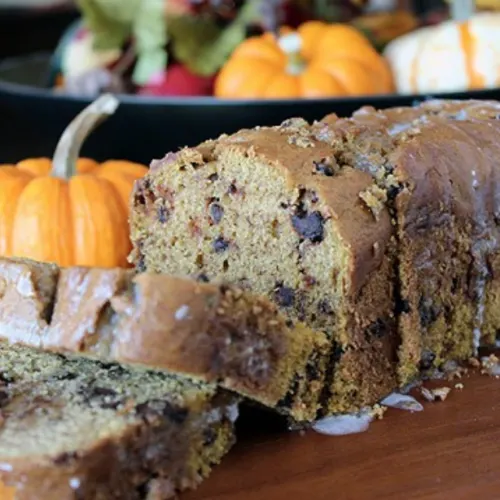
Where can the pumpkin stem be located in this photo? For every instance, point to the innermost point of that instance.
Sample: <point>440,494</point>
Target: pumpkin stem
<point>291,45</point>
<point>69,145</point>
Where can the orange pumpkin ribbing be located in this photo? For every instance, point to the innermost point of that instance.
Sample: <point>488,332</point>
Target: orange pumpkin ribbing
<point>337,61</point>
<point>81,221</point>
<point>69,210</point>
<point>467,40</point>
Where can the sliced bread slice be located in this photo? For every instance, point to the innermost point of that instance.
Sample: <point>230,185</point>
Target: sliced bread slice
<point>216,333</point>
<point>81,429</point>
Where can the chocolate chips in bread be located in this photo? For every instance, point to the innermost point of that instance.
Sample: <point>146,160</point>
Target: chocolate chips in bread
<point>82,429</point>
<point>437,164</point>
<point>295,229</point>
<point>216,333</point>
<point>379,229</point>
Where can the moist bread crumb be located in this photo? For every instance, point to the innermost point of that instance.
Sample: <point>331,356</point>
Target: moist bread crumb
<point>398,291</point>
<point>86,430</point>
<point>216,333</point>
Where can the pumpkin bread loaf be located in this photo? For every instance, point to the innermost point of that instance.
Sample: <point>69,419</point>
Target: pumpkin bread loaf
<point>379,229</point>
<point>215,333</point>
<point>271,210</point>
<point>81,429</point>
<point>436,164</point>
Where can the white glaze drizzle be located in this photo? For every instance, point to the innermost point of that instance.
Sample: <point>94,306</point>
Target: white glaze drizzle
<point>402,402</point>
<point>182,313</point>
<point>485,243</point>
<point>341,425</point>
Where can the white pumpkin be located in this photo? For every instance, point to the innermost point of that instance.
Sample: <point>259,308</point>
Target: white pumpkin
<point>79,55</point>
<point>451,56</point>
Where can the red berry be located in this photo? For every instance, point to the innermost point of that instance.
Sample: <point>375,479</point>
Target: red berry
<point>179,81</point>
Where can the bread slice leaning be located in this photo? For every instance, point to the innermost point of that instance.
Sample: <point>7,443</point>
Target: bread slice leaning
<point>216,333</point>
<point>81,429</point>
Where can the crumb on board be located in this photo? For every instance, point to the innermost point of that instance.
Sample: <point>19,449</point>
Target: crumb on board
<point>474,362</point>
<point>437,394</point>
<point>490,366</point>
<point>459,386</point>
<point>378,411</point>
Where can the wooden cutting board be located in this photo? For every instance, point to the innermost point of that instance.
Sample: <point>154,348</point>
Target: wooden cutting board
<point>451,450</point>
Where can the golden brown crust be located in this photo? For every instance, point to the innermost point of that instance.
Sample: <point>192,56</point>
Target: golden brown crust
<point>215,333</point>
<point>395,186</point>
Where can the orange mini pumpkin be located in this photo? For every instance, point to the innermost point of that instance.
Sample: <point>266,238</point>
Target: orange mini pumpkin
<point>317,60</point>
<point>6,493</point>
<point>71,211</point>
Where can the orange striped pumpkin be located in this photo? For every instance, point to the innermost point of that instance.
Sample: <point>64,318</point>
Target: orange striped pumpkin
<point>69,210</point>
<point>452,56</point>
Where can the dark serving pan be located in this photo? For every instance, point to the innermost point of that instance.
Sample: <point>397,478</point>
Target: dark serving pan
<point>33,117</point>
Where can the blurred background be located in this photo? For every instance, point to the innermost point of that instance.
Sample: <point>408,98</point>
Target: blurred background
<point>188,70</point>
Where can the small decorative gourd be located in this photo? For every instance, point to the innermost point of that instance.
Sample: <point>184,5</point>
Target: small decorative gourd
<point>452,56</point>
<point>71,211</point>
<point>317,60</point>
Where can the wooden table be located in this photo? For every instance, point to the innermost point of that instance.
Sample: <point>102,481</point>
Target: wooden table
<point>451,450</point>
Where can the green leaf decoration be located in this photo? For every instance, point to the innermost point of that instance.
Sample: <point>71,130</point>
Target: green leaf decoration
<point>114,22</point>
<point>200,44</point>
<point>150,35</point>
<point>109,27</point>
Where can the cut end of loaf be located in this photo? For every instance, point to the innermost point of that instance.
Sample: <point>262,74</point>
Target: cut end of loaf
<point>73,428</point>
<point>261,209</point>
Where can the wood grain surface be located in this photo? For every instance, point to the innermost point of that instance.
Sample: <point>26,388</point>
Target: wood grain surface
<point>451,450</point>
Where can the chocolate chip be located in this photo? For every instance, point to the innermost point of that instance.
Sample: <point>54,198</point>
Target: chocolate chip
<point>337,353</point>
<point>220,245</point>
<point>141,264</point>
<point>284,295</point>
<point>103,397</point>
<point>289,323</point>
<point>377,329</point>
<point>300,304</point>
<point>324,307</point>
<point>65,458</point>
<point>64,375</point>
<point>112,368</point>
<point>163,214</point>
<point>312,372</point>
<point>284,205</point>
<point>309,226</point>
<point>139,198</point>
<point>403,306</point>
<point>232,189</point>
<point>166,409</point>
<point>392,192</point>
<point>5,379</point>
<point>203,278</point>
<point>326,167</point>
<point>427,311</point>
<point>209,436</point>
<point>213,177</point>
<point>102,392</point>
<point>4,397</point>
<point>216,212</point>
<point>287,400</point>
<point>427,359</point>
